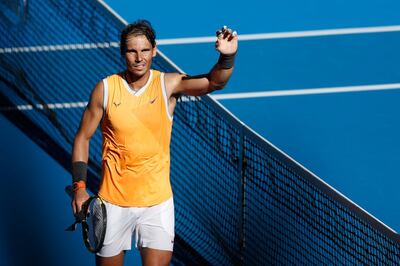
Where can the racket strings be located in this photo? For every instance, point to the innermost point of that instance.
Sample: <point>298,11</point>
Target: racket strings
<point>95,225</point>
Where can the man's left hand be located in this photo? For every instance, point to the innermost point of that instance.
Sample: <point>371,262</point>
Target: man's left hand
<point>227,41</point>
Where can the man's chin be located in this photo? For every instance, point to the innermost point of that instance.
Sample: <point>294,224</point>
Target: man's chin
<point>138,72</point>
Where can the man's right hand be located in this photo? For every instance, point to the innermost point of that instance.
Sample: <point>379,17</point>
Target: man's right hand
<point>80,196</point>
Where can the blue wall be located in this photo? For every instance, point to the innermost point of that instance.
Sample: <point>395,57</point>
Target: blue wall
<point>35,210</point>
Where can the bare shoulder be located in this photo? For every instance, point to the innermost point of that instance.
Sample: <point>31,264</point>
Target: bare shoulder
<point>99,86</point>
<point>96,97</point>
<point>172,82</point>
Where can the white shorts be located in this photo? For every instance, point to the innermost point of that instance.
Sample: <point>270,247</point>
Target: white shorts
<point>153,227</point>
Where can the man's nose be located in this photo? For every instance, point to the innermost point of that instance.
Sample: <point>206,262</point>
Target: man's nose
<point>139,57</point>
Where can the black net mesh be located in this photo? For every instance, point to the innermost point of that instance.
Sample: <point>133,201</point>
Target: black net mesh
<point>239,200</point>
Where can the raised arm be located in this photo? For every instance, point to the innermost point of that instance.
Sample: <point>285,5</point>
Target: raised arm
<point>226,44</point>
<point>80,153</point>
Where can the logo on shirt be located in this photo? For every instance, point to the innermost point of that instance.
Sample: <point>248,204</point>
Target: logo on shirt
<point>152,101</point>
<point>117,104</point>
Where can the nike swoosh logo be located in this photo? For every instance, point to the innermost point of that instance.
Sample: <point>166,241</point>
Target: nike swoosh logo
<point>152,101</point>
<point>117,104</point>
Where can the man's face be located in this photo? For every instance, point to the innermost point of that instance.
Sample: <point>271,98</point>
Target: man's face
<point>139,55</point>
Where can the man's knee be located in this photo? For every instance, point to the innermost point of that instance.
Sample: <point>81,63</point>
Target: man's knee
<point>117,260</point>
<point>155,257</point>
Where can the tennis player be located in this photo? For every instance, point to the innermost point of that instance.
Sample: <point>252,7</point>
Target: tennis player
<point>135,109</point>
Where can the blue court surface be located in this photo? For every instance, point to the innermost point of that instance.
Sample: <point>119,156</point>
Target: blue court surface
<point>348,137</point>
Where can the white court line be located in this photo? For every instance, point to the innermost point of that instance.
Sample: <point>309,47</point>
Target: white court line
<point>242,37</point>
<point>243,95</point>
<point>227,96</point>
<point>69,105</point>
<point>60,47</point>
<point>283,35</point>
<point>29,107</point>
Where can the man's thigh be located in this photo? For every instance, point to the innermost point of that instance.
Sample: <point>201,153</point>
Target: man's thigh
<point>155,227</point>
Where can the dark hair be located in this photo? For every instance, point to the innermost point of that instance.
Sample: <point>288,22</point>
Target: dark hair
<point>139,27</point>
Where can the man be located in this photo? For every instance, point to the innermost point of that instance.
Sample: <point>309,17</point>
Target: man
<point>135,109</point>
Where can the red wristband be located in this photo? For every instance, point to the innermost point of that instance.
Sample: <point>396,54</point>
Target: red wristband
<point>78,185</point>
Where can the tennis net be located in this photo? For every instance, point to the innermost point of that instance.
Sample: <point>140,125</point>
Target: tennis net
<point>239,200</point>
<point>244,202</point>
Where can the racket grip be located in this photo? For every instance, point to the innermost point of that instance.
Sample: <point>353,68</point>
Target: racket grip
<point>80,216</point>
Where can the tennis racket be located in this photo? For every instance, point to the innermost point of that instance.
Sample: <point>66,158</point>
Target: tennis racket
<point>93,220</point>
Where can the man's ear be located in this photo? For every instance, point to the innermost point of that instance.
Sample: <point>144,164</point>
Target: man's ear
<point>154,51</point>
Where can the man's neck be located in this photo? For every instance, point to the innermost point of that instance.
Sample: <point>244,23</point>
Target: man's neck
<point>135,82</point>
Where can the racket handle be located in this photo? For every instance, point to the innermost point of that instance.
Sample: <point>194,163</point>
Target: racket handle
<point>70,192</point>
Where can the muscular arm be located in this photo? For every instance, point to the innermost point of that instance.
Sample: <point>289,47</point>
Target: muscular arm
<point>200,85</point>
<point>216,79</point>
<point>80,153</point>
<point>90,120</point>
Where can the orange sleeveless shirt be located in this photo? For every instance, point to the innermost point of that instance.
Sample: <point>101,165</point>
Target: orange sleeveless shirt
<point>136,131</point>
